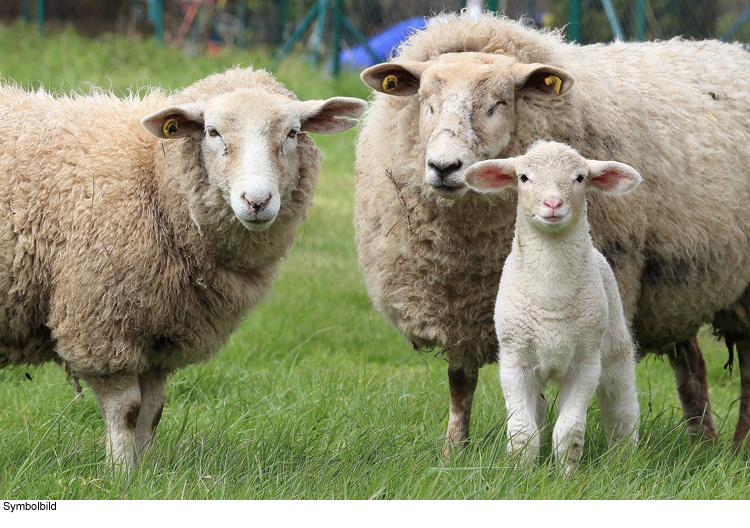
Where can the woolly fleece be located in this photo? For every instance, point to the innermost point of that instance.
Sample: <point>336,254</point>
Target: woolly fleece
<point>676,111</point>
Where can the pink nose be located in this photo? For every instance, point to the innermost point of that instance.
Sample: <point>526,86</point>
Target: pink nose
<point>553,204</point>
<point>257,205</point>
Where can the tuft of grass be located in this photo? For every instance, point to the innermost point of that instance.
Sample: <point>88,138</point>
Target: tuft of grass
<point>316,396</point>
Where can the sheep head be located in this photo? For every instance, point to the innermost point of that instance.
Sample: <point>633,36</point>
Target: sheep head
<point>249,143</point>
<point>551,179</point>
<point>467,103</point>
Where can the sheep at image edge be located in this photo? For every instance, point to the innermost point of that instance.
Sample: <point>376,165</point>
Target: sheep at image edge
<point>472,88</point>
<point>129,251</point>
<point>558,314</point>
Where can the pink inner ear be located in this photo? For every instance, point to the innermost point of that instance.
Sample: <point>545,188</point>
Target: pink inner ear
<point>490,177</point>
<point>606,180</point>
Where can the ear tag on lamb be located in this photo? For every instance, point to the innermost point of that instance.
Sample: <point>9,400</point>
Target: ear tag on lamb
<point>390,83</point>
<point>554,81</point>
<point>169,128</point>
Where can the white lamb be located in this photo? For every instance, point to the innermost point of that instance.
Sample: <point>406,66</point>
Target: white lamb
<point>559,314</point>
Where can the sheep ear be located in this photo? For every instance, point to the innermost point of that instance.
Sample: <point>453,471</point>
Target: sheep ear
<point>539,80</point>
<point>330,116</point>
<point>395,78</point>
<point>175,122</point>
<point>492,175</point>
<point>612,177</point>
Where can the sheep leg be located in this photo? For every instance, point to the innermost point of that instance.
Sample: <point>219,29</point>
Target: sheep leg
<point>618,399</point>
<point>153,392</point>
<point>743,423</point>
<point>462,384</point>
<point>541,410</point>
<point>576,391</point>
<point>119,399</point>
<point>521,389</point>
<point>690,377</point>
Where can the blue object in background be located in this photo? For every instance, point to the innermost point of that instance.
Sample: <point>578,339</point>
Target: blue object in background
<point>384,44</point>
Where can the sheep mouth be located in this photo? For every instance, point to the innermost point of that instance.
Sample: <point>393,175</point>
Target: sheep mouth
<point>450,191</point>
<point>256,224</point>
<point>553,221</point>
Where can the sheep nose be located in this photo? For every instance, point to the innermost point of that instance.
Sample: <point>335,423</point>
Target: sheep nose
<point>443,169</point>
<point>553,204</point>
<point>256,204</point>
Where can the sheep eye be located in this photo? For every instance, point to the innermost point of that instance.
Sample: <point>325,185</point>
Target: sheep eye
<point>580,178</point>
<point>492,110</point>
<point>213,132</point>
<point>523,178</point>
<point>292,133</point>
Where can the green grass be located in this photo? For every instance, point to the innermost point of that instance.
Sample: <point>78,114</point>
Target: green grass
<point>316,396</point>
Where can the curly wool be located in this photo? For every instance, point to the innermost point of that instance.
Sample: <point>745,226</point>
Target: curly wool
<point>115,252</point>
<point>676,111</point>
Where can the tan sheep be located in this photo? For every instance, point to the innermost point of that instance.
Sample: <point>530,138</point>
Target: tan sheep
<point>126,256</point>
<point>473,88</point>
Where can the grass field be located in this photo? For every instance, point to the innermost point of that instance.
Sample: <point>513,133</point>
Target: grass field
<point>316,396</point>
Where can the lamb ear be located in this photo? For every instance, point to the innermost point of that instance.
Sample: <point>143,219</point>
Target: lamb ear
<point>612,177</point>
<point>175,122</point>
<point>540,80</point>
<point>330,116</point>
<point>492,175</point>
<point>395,78</point>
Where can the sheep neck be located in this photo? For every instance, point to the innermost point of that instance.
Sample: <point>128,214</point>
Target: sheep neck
<point>553,261</point>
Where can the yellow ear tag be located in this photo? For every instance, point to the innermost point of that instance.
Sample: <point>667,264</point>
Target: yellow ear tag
<point>169,128</point>
<point>390,83</point>
<point>555,81</point>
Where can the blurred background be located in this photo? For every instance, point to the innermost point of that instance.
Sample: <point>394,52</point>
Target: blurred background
<point>355,33</point>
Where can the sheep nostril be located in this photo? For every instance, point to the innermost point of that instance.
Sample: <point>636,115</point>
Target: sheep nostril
<point>553,204</point>
<point>255,204</point>
<point>443,169</point>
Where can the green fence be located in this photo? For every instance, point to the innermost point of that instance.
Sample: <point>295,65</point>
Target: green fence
<point>320,26</point>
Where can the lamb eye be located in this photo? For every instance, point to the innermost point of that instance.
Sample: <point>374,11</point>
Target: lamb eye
<point>492,110</point>
<point>292,134</point>
<point>580,178</point>
<point>523,178</point>
<point>213,132</point>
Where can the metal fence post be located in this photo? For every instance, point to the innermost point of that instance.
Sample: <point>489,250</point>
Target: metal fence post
<point>609,9</point>
<point>336,23</point>
<point>640,20</point>
<point>159,20</point>
<point>26,10</point>
<point>574,25</point>
<point>40,16</point>
<point>318,35</point>
<point>736,25</point>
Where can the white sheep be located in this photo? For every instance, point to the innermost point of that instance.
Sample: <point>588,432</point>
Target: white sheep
<point>558,313</point>
<point>129,251</point>
<point>467,89</point>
